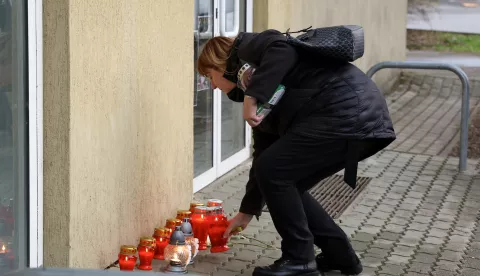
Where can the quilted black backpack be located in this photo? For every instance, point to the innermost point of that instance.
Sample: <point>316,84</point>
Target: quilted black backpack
<point>344,42</point>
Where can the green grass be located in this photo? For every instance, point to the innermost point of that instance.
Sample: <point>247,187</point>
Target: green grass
<point>443,41</point>
<point>451,42</point>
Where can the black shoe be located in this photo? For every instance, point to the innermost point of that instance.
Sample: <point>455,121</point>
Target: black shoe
<point>324,265</point>
<point>283,267</point>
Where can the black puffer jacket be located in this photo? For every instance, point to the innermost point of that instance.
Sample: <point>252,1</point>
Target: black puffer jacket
<point>323,99</point>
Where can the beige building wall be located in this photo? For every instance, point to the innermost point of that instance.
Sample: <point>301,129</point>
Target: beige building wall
<point>118,103</point>
<point>384,23</point>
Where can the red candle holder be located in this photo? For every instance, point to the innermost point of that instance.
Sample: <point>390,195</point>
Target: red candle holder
<point>193,205</point>
<point>146,250</point>
<point>127,257</point>
<point>200,225</point>
<point>162,238</point>
<point>182,214</point>
<point>216,205</point>
<point>216,230</point>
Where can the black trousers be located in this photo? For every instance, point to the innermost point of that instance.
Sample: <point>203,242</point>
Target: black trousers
<point>284,172</point>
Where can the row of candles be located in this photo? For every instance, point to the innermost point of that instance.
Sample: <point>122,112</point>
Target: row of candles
<point>180,240</point>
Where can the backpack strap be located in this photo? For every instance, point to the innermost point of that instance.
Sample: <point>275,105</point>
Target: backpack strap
<point>300,31</point>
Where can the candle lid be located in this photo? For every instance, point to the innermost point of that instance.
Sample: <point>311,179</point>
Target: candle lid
<point>174,221</point>
<point>211,210</point>
<point>195,204</point>
<point>162,232</point>
<point>186,227</point>
<point>218,210</point>
<point>201,210</point>
<point>183,213</point>
<point>128,250</point>
<point>147,241</point>
<point>177,238</point>
<point>214,202</point>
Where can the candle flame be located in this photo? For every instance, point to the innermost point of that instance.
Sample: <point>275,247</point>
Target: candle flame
<point>4,248</point>
<point>175,258</point>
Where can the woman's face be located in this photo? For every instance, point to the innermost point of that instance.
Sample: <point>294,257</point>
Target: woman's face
<point>218,81</point>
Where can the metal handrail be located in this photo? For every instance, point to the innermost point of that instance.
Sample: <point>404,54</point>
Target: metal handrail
<point>465,94</point>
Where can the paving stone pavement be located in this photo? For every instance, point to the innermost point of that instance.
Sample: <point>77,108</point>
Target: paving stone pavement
<point>418,216</point>
<point>426,112</point>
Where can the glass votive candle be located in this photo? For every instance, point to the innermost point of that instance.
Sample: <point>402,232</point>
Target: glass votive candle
<point>146,251</point>
<point>127,257</point>
<point>200,226</point>
<point>177,253</point>
<point>216,230</point>
<point>162,238</point>
<point>189,238</point>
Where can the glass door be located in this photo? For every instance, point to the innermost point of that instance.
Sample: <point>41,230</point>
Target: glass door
<point>14,137</point>
<point>203,101</point>
<point>233,129</point>
<point>221,136</point>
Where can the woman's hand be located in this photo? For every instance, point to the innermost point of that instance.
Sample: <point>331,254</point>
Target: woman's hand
<point>240,220</point>
<point>250,111</point>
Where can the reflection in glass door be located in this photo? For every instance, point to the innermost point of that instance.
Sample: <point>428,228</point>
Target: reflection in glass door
<point>13,137</point>
<point>203,94</point>
<point>233,126</point>
<point>221,135</point>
